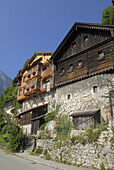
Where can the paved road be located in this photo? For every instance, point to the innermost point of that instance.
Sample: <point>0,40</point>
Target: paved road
<point>24,161</point>
<point>10,162</point>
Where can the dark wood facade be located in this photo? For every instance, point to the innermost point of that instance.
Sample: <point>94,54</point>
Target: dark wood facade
<point>83,120</point>
<point>83,52</point>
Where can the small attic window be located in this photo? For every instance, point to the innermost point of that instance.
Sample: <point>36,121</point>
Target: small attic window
<point>95,89</point>
<point>86,38</point>
<point>68,97</point>
<point>101,54</point>
<point>74,45</point>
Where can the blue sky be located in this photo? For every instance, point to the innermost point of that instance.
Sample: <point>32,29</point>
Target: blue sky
<point>29,26</point>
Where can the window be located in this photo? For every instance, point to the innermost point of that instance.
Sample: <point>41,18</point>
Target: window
<point>101,55</point>
<point>74,45</point>
<point>20,92</point>
<point>95,89</point>
<point>68,97</point>
<point>62,72</point>
<point>86,38</point>
<point>70,68</point>
<point>112,102</point>
<point>80,64</point>
<point>24,79</point>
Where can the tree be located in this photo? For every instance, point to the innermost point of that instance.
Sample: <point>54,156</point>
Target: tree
<point>9,93</point>
<point>15,138</point>
<point>26,62</point>
<point>1,101</point>
<point>108,16</point>
<point>2,121</point>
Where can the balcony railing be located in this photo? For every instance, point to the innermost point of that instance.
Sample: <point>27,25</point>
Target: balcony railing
<point>47,71</point>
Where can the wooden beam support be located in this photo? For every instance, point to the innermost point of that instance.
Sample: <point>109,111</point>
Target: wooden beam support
<point>39,97</point>
<point>34,100</point>
<point>28,102</point>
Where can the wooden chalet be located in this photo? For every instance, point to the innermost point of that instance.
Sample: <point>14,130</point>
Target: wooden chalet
<point>34,80</point>
<point>87,50</point>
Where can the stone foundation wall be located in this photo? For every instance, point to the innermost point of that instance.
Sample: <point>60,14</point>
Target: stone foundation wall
<point>82,95</point>
<point>88,155</point>
<point>27,129</point>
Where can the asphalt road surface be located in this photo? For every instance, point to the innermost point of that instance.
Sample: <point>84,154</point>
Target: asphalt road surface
<point>24,161</point>
<point>11,162</point>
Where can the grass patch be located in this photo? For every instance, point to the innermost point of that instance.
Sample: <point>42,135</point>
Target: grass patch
<point>34,154</point>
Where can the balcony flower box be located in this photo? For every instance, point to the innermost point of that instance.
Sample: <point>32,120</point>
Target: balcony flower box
<point>27,75</point>
<point>31,86</point>
<point>18,84</point>
<point>26,88</point>
<point>33,72</point>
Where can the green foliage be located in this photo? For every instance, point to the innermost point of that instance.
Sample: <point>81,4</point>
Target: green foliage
<point>63,127</point>
<point>42,126</point>
<point>51,116</point>
<point>102,167</point>
<point>16,138</point>
<point>43,135</point>
<point>45,152</point>
<point>112,128</point>
<point>58,144</point>
<point>26,62</point>
<point>108,16</point>
<point>9,93</point>
<point>90,136</point>
<point>4,129</point>
<point>39,150</point>
<point>1,101</point>
<point>2,121</point>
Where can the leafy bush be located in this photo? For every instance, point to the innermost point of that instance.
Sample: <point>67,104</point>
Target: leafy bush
<point>58,144</point>
<point>89,136</point>
<point>102,167</point>
<point>42,126</point>
<point>16,138</point>
<point>63,127</point>
<point>51,116</point>
<point>39,150</point>
<point>112,128</point>
<point>2,121</point>
<point>4,129</point>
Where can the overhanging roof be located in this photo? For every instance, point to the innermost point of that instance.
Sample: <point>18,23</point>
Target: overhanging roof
<point>31,109</point>
<point>85,113</point>
<point>81,25</point>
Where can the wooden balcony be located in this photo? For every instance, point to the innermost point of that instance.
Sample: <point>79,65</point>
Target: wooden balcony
<point>48,72</point>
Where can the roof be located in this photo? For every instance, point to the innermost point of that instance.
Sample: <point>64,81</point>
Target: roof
<point>31,109</point>
<point>82,25</point>
<point>85,113</point>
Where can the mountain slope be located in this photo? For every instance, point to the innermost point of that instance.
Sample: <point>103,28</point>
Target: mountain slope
<point>5,81</point>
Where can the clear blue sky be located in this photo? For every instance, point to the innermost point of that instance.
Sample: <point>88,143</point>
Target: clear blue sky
<point>29,26</point>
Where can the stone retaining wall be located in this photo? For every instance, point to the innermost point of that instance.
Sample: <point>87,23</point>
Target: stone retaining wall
<point>88,155</point>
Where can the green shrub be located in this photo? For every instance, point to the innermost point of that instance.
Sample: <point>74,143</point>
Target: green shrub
<point>16,138</point>
<point>39,150</point>
<point>73,139</point>
<point>4,129</point>
<point>48,157</point>
<point>45,152</point>
<point>63,127</point>
<point>51,116</point>
<point>102,167</point>
<point>58,144</point>
<point>2,121</point>
<point>112,128</point>
<point>42,126</point>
